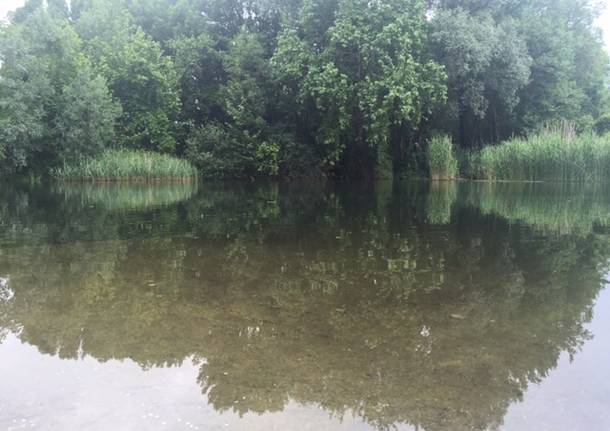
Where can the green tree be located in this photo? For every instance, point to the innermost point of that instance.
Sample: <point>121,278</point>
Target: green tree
<point>294,87</point>
<point>58,8</point>
<point>166,20</point>
<point>52,105</point>
<point>570,66</point>
<point>514,66</point>
<point>487,66</point>
<point>140,76</point>
<point>370,86</point>
<point>241,144</point>
<point>22,13</point>
<point>86,123</point>
<point>201,75</point>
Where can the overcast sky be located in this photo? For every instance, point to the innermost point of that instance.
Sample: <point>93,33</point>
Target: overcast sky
<point>8,5</point>
<point>604,21</point>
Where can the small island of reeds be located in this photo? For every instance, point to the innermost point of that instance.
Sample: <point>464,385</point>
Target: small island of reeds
<point>127,165</point>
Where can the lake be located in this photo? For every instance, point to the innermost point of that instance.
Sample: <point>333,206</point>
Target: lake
<point>293,306</point>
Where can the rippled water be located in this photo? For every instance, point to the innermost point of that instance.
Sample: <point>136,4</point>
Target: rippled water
<point>326,306</point>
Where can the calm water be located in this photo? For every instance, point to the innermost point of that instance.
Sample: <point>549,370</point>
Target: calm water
<point>305,307</point>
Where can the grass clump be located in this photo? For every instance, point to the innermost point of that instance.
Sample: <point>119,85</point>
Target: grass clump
<point>548,156</point>
<point>441,159</point>
<point>127,165</point>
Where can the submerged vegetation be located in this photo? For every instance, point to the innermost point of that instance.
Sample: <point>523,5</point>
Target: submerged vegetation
<point>246,88</point>
<point>122,165</point>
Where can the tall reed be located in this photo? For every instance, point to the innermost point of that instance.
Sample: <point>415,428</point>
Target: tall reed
<point>548,156</point>
<point>127,165</point>
<point>441,158</point>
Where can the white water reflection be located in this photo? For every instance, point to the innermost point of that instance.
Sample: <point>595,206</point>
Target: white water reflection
<point>6,294</point>
<point>116,395</point>
<point>120,396</point>
<point>576,395</point>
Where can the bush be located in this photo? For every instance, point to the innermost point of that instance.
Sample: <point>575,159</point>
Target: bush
<point>602,125</point>
<point>125,165</point>
<point>267,158</point>
<point>442,163</point>
<point>220,151</point>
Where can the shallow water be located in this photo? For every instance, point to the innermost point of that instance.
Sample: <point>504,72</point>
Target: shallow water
<point>232,306</point>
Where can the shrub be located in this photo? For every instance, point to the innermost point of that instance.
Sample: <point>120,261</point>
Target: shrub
<point>267,158</point>
<point>602,125</point>
<point>442,163</point>
<point>220,151</point>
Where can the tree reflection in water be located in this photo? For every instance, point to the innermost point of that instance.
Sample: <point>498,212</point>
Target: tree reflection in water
<point>434,306</point>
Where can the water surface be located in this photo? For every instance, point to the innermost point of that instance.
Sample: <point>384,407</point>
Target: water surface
<point>243,306</point>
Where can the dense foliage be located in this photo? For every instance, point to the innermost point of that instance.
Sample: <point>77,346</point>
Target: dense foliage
<point>292,87</point>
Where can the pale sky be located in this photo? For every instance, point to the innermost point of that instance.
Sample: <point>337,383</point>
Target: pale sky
<point>8,5</point>
<point>603,22</point>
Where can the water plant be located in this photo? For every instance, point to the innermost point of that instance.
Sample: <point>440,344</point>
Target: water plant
<point>441,158</point>
<point>127,165</point>
<point>547,156</point>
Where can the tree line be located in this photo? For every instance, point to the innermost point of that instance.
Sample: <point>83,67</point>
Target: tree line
<point>244,88</point>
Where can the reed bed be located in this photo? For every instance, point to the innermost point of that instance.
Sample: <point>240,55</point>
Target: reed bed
<point>127,165</point>
<point>548,156</point>
<point>441,158</point>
